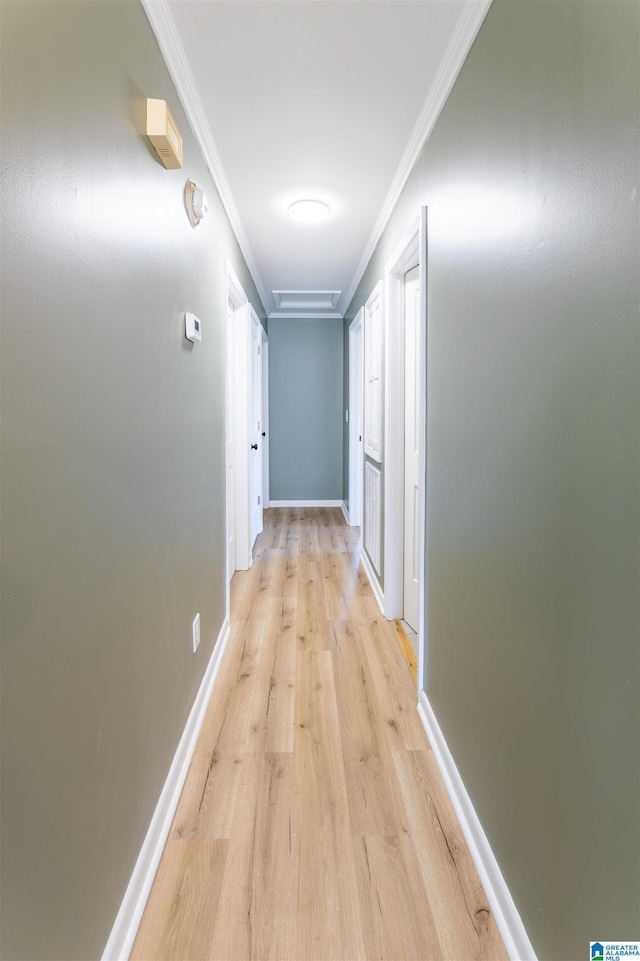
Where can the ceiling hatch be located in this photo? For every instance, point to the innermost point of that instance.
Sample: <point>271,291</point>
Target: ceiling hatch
<point>306,299</point>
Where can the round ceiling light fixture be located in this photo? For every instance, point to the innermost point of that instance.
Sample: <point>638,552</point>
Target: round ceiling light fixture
<point>309,211</point>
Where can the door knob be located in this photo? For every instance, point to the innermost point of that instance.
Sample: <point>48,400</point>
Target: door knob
<point>264,433</point>
<point>254,447</point>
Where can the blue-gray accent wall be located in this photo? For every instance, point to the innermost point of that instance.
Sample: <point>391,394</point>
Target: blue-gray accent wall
<point>305,409</point>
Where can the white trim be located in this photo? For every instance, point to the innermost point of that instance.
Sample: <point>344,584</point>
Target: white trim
<point>345,511</point>
<point>405,256</point>
<point>505,912</point>
<point>135,898</point>
<point>163,25</point>
<point>373,580</point>
<point>305,503</point>
<point>465,32</point>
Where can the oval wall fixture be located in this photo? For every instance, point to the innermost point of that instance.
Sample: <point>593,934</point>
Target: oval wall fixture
<point>196,203</point>
<point>309,211</point>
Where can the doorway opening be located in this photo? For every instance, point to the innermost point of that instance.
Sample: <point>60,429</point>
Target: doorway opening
<point>243,427</point>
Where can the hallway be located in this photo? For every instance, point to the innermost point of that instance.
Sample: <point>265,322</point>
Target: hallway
<point>314,822</point>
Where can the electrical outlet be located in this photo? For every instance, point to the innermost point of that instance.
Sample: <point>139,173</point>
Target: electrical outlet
<point>195,632</point>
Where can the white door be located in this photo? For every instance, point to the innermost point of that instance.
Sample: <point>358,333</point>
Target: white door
<point>356,420</point>
<point>265,419</point>
<point>230,459</point>
<point>255,428</point>
<point>411,448</point>
<point>373,338</point>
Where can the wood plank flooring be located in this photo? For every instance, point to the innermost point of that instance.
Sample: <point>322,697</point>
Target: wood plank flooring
<point>314,823</point>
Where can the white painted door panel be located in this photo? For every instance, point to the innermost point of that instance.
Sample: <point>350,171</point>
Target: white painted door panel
<point>264,434</point>
<point>242,441</point>
<point>255,429</point>
<point>359,429</point>
<point>411,448</point>
<point>373,353</point>
<point>356,423</point>
<point>230,458</point>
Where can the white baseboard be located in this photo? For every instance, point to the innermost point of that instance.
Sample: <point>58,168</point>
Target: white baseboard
<point>305,503</point>
<point>373,580</point>
<point>345,511</point>
<point>514,935</point>
<point>133,904</point>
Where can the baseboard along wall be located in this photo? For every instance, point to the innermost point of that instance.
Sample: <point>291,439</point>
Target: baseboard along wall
<point>508,920</point>
<point>505,912</point>
<point>305,503</point>
<point>129,916</point>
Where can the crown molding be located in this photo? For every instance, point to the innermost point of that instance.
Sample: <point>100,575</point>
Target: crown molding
<point>465,32</point>
<point>164,28</point>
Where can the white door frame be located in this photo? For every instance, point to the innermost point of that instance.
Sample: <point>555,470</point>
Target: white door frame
<point>265,419</point>
<point>411,250</point>
<point>356,420</point>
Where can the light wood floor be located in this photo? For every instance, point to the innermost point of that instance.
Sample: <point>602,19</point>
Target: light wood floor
<point>314,823</point>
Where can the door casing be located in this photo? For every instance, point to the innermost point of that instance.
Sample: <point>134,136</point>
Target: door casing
<point>411,250</point>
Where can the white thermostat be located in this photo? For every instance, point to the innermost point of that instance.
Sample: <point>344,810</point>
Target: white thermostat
<point>192,327</point>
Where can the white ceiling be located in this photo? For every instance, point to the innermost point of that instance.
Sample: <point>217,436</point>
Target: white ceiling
<point>330,99</point>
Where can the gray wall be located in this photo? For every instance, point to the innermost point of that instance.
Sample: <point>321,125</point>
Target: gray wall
<point>112,463</point>
<point>533,460</point>
<point>305,409</point>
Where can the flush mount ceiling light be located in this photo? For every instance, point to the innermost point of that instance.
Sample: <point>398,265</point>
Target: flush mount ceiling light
<point>309,211</point>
